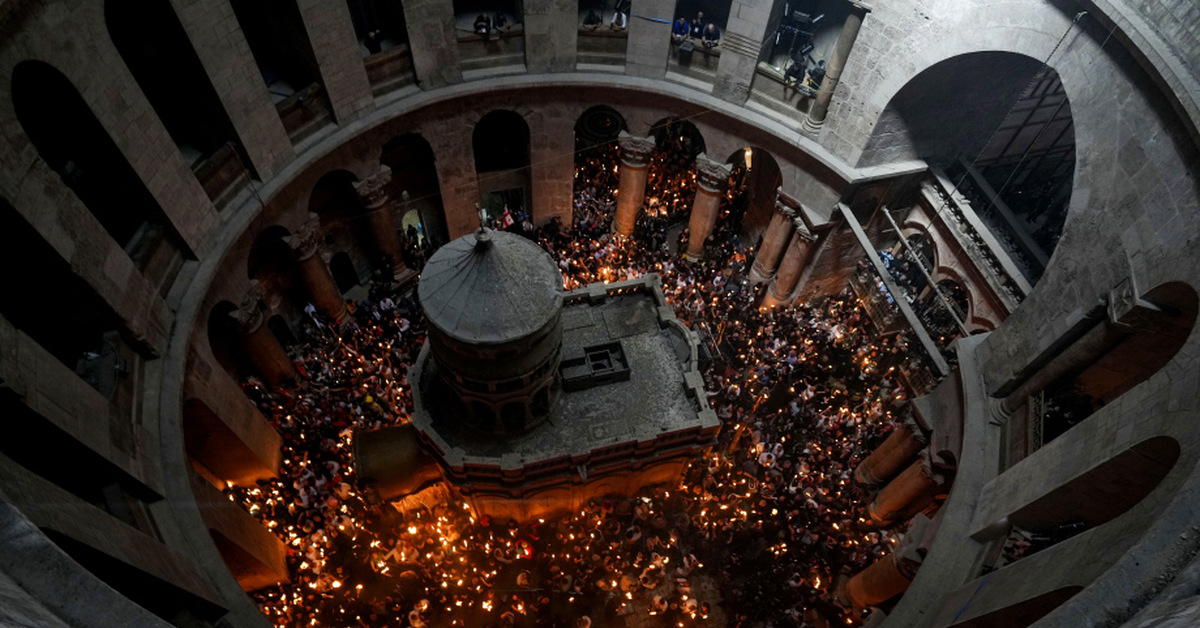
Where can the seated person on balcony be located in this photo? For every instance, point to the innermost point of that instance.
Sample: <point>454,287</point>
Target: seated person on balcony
<point>793,74</point>
<point>374,42</point>
<point>592,21</point>
<point>680,30</point>
<point>698,24</point>
<point>817,74</point>
<point>500,22</point>
<point>483,25</point>
<point>620,18</point>
<point>712,35</point>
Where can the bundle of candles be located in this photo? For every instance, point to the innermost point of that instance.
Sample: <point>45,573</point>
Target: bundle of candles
<point>756,533</point>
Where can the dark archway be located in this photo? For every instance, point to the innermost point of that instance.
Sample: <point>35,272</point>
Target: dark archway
<point>1000,125</point>
<point>598,126</point>
<point>760,179</point>
<point>501,145</point>
<point>336,203</point>
<point>223,337</point>
<point>157,51</point>
<point>281,330</point>
<point>385,18</point>
<point>343,272</point>
<point>74,144</point>
<point>415,183</point>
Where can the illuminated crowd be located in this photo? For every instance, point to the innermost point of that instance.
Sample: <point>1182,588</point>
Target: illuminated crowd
<point>756,534</point>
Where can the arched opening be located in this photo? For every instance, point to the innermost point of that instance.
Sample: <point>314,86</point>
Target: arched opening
<point>670,188</point>
<point>335,202</point>
<point>482,416</point>
<point>223,337</point>
<point>157,51</point>
<point>270,262</point>
<point>999,124</point>
<point>281,330</point>
<point>501,145</point>
<point>70,139</point>
<point>45,299</point>
<point>513,416</point>
<point>279,41</point>
<point>343,272</point>
<point>1121,354</point>
<point>415,184</point>
<point>943,312</point>
<point>490,33</point>
<point>597,154</point>
<point>756,179</point>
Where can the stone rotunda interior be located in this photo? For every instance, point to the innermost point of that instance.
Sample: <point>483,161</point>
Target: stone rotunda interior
<point>919,274</point>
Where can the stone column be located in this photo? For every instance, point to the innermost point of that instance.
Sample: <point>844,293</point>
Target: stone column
<point>551,31</point>
<point>883,580</point>
<point>892,455</point>
<point>833,72</point>
<point>257,341</point>
<point>741,48</point>
<point>774,243</point>
<point>372,192</point>
<point>795,259</point>
<point>631,188</point>
<point>323,291</point>
<point>433,40</point>
<point>343,75</point>
<point>711,179</point>
<point>910,492</point>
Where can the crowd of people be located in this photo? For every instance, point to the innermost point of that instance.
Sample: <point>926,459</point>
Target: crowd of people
<point>755,534</point>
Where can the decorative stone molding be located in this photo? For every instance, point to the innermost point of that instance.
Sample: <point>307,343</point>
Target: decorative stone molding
<point>307,240</point>
<point>249,314</point>
<point>710,175</point>
<point>635,151</point>
<point>372,191</point>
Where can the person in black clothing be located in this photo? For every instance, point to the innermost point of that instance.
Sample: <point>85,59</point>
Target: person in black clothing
<point>711,36</point>
<point>373,42</point>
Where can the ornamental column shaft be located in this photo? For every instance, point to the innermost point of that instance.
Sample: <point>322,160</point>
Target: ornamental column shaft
<point>833,73</point>
<point>315,275</point>
<point>910,492</point>
<point>892,455</point>
<point>631,186</point>
<point>774,243</point>
<point>372,192</point>
<point>795,260</point>
<point>711,179</point>
<point>258,343</point>
<point>883,580</point>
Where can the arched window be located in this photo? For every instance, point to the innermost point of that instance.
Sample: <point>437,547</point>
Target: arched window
<point>415,183</point>
<point>501,145</point>
<point>156,49</point>
<point>74,144</point>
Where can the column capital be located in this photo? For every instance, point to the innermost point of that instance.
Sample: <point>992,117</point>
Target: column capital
<point>372,191</point>
<point>787,205</point>
<point>635,150</point>
<point>249,314</point>
<point>306,241</point>
<point>711,176</point>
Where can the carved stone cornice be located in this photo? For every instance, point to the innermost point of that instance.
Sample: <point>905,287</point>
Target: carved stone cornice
<point>249,314</point>
<point>372,191</point>
<point>306,241</point>
<point>635,151</point>
<point>711,176</point>
<point>790,207</point>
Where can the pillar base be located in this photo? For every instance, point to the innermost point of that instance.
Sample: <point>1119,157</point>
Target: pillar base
<point>693,257</point>
<point>810,127</point>
<point>770,301</point>
<point>756,276</point>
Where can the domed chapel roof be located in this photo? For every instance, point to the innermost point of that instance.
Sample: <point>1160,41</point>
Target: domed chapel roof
<point>490,287</point>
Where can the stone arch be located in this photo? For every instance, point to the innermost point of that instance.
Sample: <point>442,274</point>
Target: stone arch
<point>760,177</point>
<point>344,272</point>
<point>72,141</point>
<point>500,142</point>
<point>152,43</point>
<point>270,262</point>
<point>223,340</point>
<point>415,184</point>
<point>599,125</point>
<point>678,135</point>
